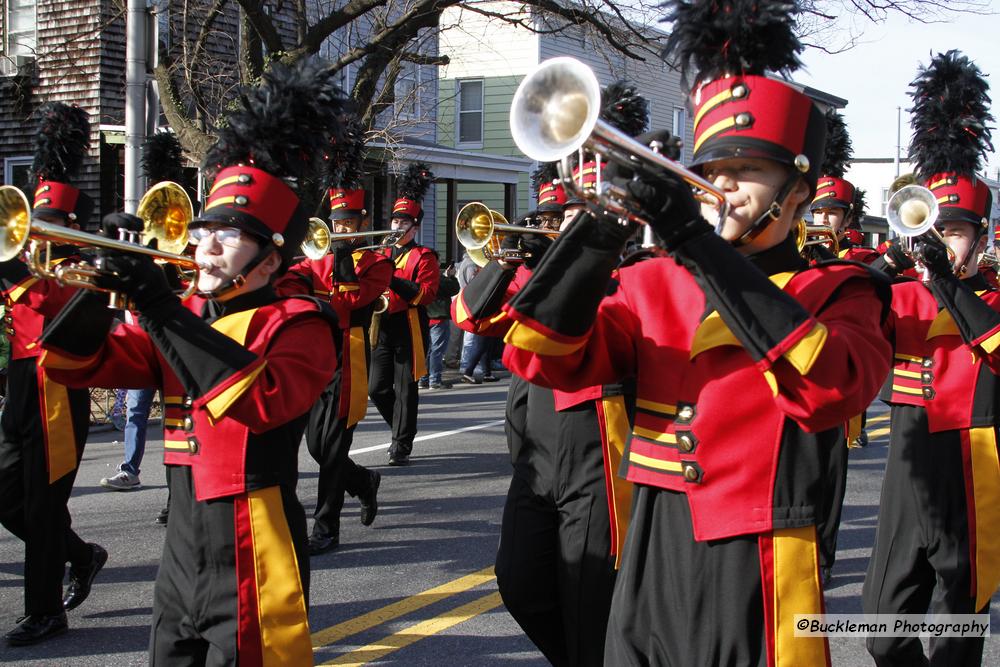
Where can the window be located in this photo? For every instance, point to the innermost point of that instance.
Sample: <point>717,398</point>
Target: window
<point>470,112</point>
<point>16,171</point>
<point>162,14</point>
<point>885,200</point>
<point>20,35</point>
<point>680,124</point>
<point>408,92</point>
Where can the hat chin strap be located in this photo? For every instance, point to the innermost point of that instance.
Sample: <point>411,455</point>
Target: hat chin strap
<point>970,253</point>
<point>772,213</point>
<point>240,278</point>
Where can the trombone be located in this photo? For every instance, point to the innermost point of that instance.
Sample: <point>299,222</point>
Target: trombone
<point>20,233</point>
<point>319,238</point>
<point>555,113</point>
<point>480,231</point>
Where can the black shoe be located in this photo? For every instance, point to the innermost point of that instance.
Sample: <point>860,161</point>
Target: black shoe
<point>399,459</point>
<point>369,499</point>
<point>320,544</point>
<point>826,575</point>
<point>36,628</point>
<point>81,578</point>
<point>161,518</point>
<point>490,378</point>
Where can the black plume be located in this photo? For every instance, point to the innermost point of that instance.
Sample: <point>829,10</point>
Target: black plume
<point>62,142</point>
<point>624,108</point>
<point>838,146</point>
<point>163,158</point>
<point>345,166</point>
<point>951,113</point>
<point>546,173</point>
<point>415,180</point>
<point>860,205</point>
<point>285,125</point>
<point>710,38</point>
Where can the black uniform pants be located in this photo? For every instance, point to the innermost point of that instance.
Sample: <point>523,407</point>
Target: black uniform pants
<point>390,382</point>
<point>554,566</point>
<point>681,602</point>
<point>921,562</point>
<point>30,507</point>
<point>206,579</point>
<point>829,512</point>
<point>329,441</point>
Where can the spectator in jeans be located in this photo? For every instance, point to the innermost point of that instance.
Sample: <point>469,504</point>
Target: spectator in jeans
<point>473,346</point>
<point>137,405</point>
<point>439,314</point>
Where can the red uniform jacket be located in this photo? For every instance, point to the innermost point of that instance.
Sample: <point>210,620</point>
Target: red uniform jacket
<point>242,434</point>
<point>418,267</point>
<point>740,438</point>
<point>29,303</point>
<point>353,300</point>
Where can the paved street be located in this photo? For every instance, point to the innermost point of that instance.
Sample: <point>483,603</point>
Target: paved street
<point>414,589</point>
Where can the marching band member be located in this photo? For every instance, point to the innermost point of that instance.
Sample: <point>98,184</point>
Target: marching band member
<point>566,513</point>
<point>352,279</point>
<point>239,369</point>
<point>937,549</point>
<point>400,355</point>
<point>746,360</point>
<point>44,425</point>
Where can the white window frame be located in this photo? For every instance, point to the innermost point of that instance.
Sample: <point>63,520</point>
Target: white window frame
<point>679,124</point>
<point>481,111</point>
<point>8,64</point>
<point>885,200</point>
<point>11,163</point>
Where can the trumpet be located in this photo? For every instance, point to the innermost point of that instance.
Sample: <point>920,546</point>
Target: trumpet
<point>815,235</point>
<point>319,238</point>
<point>19,231</point>
<point>480,230</point>
<point>911,213</point>
<point>555,113</point>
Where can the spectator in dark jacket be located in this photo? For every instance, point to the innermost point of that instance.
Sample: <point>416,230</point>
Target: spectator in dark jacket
<point>439,314</point>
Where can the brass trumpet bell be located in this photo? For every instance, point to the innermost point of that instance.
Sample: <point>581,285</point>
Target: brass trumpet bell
<point>912,210</point>
<point>15,216</point>
<point>813,235</point>
<point>166,212</point>
<point>319,239</point>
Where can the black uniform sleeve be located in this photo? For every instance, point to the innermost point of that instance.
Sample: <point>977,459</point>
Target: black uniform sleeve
<point>975,319</point>
<point>484,295</point>
<point>569,283</point>
<point>343,264</point>
<point>407,289</point>
<point>12,272</point>
<point>82,325</point>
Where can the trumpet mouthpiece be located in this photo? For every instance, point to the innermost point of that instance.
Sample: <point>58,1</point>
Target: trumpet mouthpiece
<point>913,212</point>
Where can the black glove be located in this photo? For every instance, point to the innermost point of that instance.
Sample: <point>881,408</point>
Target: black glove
<point>343,263</point>
<point>113,222</point>
<point>900,258</point>
<point>665,201</point>
<point>934,255</point>
<point>536,246</point>
<point>139,278</point>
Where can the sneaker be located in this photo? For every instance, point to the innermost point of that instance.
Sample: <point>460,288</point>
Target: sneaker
<point>490,378</point>
<point>470,379</point>
<point>123,480</point>
<point>440,385</point>
<point>422,384</point>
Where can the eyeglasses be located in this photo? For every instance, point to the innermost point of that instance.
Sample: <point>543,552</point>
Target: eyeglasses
<point>227,236</point>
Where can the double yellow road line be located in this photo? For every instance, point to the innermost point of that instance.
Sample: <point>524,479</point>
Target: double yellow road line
<point>415,632</point>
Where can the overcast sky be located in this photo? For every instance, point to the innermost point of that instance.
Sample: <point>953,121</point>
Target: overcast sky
<point>874,76</point>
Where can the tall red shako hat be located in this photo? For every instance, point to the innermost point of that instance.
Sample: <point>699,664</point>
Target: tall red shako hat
<point>951,135</point>
<point>345,172</point>
<point>832,189</point>
<point>277,135</point>
<point>61,143</point>
<point>413,186</point>
<point>725,48</point>
<point>551,194</point>
<point>626,110</point>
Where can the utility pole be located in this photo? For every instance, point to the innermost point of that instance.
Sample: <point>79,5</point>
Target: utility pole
<point>135,99</point>
<point>899,123</point>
